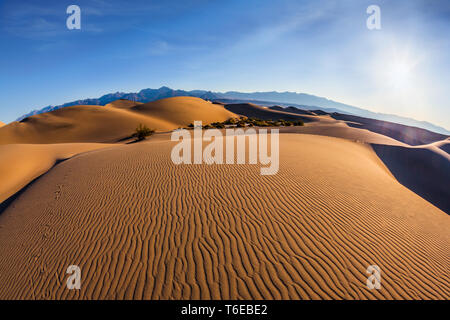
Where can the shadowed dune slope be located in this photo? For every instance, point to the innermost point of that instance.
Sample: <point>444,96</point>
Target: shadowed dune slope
<point>443,145</point>
<point>255,111</point>
<point>407,134</point>
<point>141,227</point>
<point>319,112</point>
<point>21,163</point>
<point>422,170</point>
<point>111,123</point>
<point>446,147</point>
<point>292,110</point>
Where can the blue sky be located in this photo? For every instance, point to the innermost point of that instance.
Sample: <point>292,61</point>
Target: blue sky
<point>317,47</point>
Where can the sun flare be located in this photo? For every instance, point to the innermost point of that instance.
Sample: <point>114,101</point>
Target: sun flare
<point>399,73</point>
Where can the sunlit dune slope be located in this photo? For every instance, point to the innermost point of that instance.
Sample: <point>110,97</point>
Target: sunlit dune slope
<point>112,122</point>
<point>142,227</point>
<point>1,124</point>
<point>21,163</point>
<point>78,124</point>
<point>331,128</point>
<point>424,169</point>
<point>185,110</point>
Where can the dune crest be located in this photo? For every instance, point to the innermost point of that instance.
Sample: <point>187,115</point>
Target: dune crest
<point>21,163</point>
<point>122,103</point>
<point>108,124</point>
<point>424,170</point>
<point>140,227</point>
<point>255,111</point>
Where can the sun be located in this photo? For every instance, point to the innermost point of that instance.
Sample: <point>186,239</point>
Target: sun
<point>399,73</point>
<point>396,70</point>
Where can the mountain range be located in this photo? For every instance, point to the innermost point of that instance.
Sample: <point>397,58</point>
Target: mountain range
<point>299,100</point>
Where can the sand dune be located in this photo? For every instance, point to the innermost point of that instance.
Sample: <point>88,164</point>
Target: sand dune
<point>21,163</point>
<point>293,110</point>
<point>342,130</point>
<point>1,124</point>
<point>122,103</point>
<point>348,194</point>
<point>255,111</point>
<point>77,124</point>
<point>443,145</point>
<point>185,110</point>
<point>111,123</point>
<point>141,227</point>
<point>406,134</point>
<point>426,171</point>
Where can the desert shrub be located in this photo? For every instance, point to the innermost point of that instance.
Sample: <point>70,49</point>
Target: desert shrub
<point>230,121</point>
<point>251,122</point>
<point>142,132</point>
<point>260,123</point>
<point>218,125</point>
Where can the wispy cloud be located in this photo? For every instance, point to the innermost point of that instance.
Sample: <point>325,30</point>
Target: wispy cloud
<point>41,22</point>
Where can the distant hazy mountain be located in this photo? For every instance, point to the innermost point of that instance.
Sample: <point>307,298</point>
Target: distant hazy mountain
<point>300,100</point>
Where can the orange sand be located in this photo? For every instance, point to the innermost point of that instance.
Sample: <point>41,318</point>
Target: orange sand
<point>141,227</point>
